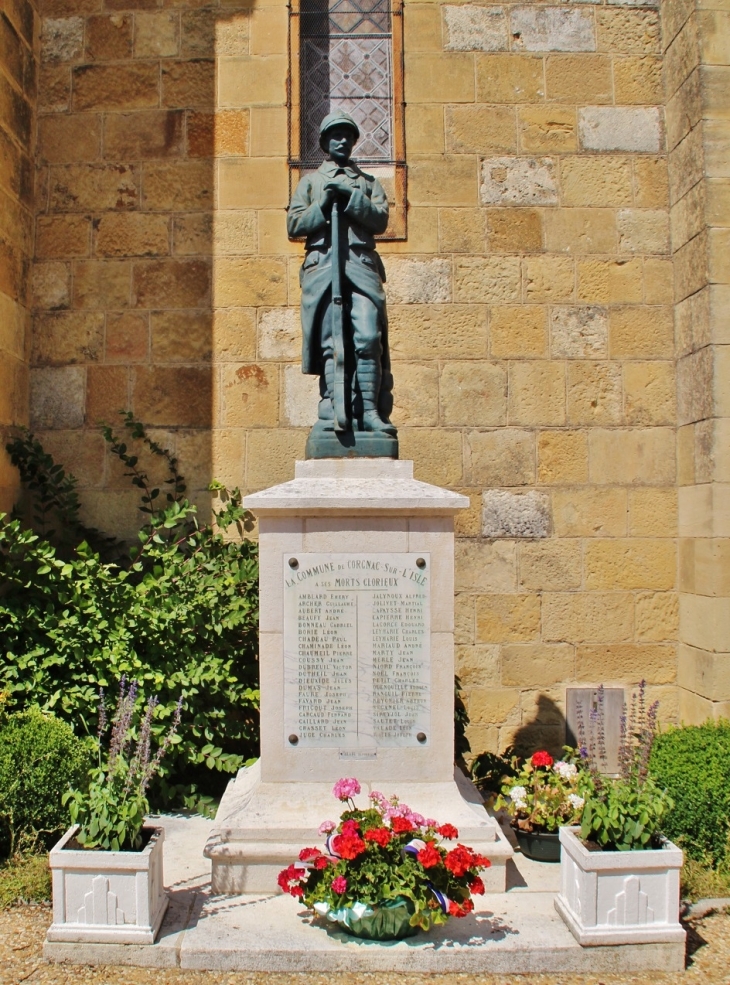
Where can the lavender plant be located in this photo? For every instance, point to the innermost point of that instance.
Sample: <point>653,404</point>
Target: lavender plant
<point>625,812</point>
<point>111,813</point>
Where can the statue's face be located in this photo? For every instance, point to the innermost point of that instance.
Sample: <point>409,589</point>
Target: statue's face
<point>340,141</point>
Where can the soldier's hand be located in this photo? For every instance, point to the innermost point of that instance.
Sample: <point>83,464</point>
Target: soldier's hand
<point>339,188</point>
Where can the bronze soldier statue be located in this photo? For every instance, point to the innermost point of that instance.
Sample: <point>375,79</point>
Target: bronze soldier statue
<point>340,209</point>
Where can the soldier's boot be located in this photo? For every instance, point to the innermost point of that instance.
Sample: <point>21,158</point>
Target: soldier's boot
<point>326,410</point>
<point>369,377</point>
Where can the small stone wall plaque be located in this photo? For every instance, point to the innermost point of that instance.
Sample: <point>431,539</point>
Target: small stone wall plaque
<point>357,651</point>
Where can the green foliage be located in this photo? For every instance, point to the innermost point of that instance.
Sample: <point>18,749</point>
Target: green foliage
<point>692,763</point>
<point>622,815</point>
<point>178,613</point>
<point>542,795</point>
<point>24,879</point>
<point>40,757</point>
<point>489,771</point>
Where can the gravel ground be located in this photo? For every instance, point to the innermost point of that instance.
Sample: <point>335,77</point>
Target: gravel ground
<point>22,930</point>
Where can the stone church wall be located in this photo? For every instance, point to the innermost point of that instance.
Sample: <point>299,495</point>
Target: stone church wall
<point>531,307</point>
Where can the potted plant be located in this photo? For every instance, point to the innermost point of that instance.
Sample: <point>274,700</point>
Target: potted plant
<point>385,872</point>
<point>107,868</point>
<point>542,796</point>
<point>619,875</point>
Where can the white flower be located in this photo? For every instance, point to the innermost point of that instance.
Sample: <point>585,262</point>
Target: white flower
<point>517,795</point>
<point>565,770</point>
<point>575,801</point>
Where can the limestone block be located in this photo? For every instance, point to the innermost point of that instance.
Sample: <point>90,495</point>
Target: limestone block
<point>436,454</point>
<point>102,284</point>
<point>674,17</point>
<point>471,28</point>
<point>242,77</point>
<point>249,281</point>
<point>437,331</point>
<point>708,674</point>
<point>562,457</point>
<point>62,38</point>
<point>127,337</point>
<point>279,333</point>
<point>509,78</point>
<point>620,128</point>
<point>63,337</point>
<point>694,386</point>
<point>641,331</point>
<point>423,28</point>
<point>612,282</point>
<point>123,86</point>
<point>178,186</point>
<point>416,395</point>
<point>462,230</point>
<point>515,514</point>
<point>269,131</point>
<point>594,393</point>
<point>439,77</point>
<point>51,285</point>
<point>464,622</point>
<point>653,512</point>
<point>691,263</point>
<point>156,34</point>
<point>589,512</point>
<point>657,616</point>
<point>627,564</point>
<point>649,393</point>
<point>643,231</point>
<point>234,334</point>
<point>579,78</point>
<point>704,622</point>
<point>270,455</point>
<point>64,139</point>
<point>200,35</point>
<point>171,283</point>
<point>505,457</point>
<point>549,278</point>
<point>181,336</point>
<point>82,452</point>
<point>57,397</point>
<point>579,332</point>
<point>218,134</point>
<point>412,281</point>
<point>93,187</point>
<point>425,128</point>
<point>442,180</point>
<point>136,136</point>
<point>109,37</point>
<point>638,79</point>
<point>550,565</point>
<point>507,619</point>
<point>173,396</point>
<point>626,663</point>
<point>480,129</point>
<point>252,183</point>
<point>629,31</point>
<point>132,234</point>
<point>514,230</point>
<point>478,666</point>
<point>250,395</point>
<point>687,164</point>
<point>540,664</point>
<point>658,281</point>
<point>547,129</point>
<point>588,617</point>
<point>467,523</point>
<point>640,456</point>
<point>518,331</point>
<point>595,181</point>
<point>473,394</point>
<point>580,231</point>
<point>493,706</point>
<point>518,181</point>
<point>536,393</point>
<point>487,279</point>
<point>54,93</point>
<point>683,110</point>
<point>485,567</point>
<point>552,29</point>
<point>186,84</point>
<point>234,232</point>
<point>107,392</point>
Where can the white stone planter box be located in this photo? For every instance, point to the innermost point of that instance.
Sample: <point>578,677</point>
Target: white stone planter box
<point>619,897</point>
<point>107,897</point>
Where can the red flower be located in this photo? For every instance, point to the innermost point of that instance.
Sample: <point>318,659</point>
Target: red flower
<point>348,846</point>
<point>542,758</point>
<point>460,860</point>
<point>296,891</point>
<point>350,827</point>
<point>321,862</point>
<point>288,880</point>
<point>448,831</point>
<point>379,835</point>
<point>456,910</point>
<point>307,854</point>
<point>477,887</point>
<point>481,862</point>
<point>429,856</point>
<point>400,825</point>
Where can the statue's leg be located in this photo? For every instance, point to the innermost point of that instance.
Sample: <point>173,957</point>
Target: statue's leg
<point>368,355</point>
<point>327,379</point>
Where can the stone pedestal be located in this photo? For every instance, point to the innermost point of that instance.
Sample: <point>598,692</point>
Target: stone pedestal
<point>357,667</point>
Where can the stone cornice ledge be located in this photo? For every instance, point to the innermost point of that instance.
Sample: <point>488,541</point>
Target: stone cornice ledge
<point>372,486</point>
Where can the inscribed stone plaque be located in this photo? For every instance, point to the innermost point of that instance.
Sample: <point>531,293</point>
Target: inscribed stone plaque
<point>357,651</point>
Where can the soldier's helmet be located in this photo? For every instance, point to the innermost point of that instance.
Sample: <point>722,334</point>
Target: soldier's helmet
<point>336,120</point>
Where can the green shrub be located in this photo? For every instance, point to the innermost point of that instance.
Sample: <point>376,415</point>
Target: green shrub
<point>24,879</point>
<point>177,613</point>
<point>40,758</point>
<point>693,764</point>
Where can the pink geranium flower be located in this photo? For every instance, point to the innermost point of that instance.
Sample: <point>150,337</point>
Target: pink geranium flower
<point>326,826</point>
<point>346,788</point>
<point>339,884</point>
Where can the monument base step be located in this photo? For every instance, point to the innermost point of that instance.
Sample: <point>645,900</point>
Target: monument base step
<point>260,828</point>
